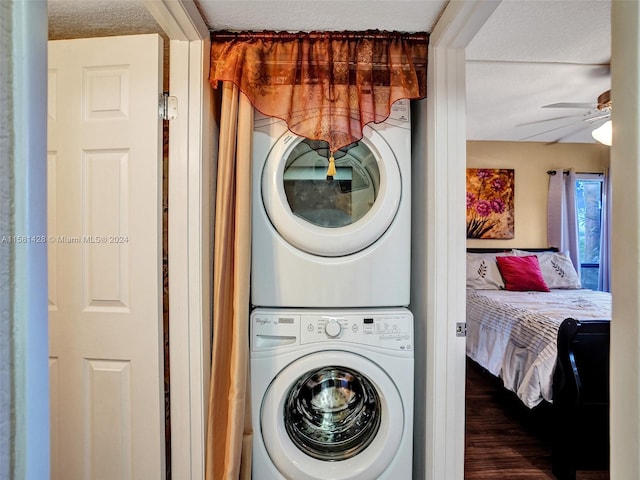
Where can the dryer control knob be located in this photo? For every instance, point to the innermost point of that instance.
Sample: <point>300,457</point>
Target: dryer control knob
<point>333,328</point>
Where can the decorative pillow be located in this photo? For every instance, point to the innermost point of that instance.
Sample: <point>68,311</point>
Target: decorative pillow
<point>557,269</point>
<point>522,274</point>
<point>482,271</point>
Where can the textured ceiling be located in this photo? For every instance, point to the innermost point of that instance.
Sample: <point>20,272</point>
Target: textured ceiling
<point>535,53</point>
<point>530,53</point>
<point>325,15</point>
<point>99,18</point>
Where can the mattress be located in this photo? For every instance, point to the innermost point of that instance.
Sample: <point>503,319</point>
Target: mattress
<point>513,334</point>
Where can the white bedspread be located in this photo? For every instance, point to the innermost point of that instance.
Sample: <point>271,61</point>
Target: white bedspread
<point>513,334</point>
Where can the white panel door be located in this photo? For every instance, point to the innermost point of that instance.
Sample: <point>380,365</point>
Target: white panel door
<point>104,246</point>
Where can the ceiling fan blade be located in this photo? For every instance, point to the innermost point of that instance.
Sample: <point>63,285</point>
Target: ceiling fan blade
<point>589,122</point>
<point>577,115</point>
<point>589,126</point>
<point>571,105</point>
<point>603,70</point>
<point>544,131</point>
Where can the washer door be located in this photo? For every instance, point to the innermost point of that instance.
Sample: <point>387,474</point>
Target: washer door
<point>329,415</point>
<point>331,216</point>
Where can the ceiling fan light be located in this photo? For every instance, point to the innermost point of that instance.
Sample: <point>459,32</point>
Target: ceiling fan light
<point>603,133</point>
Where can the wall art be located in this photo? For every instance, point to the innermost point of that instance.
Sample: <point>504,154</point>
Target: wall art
<point>490,206</point>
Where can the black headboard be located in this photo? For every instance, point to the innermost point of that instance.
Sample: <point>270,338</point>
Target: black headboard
<point>500,250</point>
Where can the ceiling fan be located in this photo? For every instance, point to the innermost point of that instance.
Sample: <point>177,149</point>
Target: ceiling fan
<point>603,104</point>
<point>597,117</point>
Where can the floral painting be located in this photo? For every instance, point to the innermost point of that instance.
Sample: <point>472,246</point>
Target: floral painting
<point>490,203</point>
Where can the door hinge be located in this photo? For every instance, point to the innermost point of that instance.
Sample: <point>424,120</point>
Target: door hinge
<point>168,107</point>
<point>461,329</point>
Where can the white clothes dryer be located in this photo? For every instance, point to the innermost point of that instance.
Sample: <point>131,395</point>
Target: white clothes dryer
<point>332,242</point>
<point>332,394</point>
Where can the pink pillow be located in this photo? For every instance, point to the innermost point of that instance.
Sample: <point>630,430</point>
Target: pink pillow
<point>521,274</point>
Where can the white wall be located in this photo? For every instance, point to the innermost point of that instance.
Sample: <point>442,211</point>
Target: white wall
<point>24,382</point>
<point>625,278</point>
<point>531,161</point>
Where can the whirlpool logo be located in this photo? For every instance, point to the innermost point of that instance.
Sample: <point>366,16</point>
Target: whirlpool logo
<point>266,321</point>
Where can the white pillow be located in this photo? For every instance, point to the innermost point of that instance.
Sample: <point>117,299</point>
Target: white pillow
<point>557,269</point>
<point>482,271</point>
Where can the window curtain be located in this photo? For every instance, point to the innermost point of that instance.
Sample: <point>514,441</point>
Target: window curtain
<point>325,86</point>
<point>604,273</point>
<point>229,435</point>
<point>562,225</point>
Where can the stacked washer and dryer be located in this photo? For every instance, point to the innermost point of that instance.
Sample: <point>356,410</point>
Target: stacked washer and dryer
<point>331,338</point>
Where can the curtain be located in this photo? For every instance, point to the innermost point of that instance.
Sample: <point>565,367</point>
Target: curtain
<point>562,225</point>
<point>604,273</point>
<point>229,436</point>
<point>325,86</point>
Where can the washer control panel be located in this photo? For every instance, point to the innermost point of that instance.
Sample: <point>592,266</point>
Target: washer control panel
<point>386,328</point>
<point>390,329</point>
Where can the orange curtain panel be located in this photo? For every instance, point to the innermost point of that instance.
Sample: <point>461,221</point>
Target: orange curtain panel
<point>228,453</point>
<point>326,86</point>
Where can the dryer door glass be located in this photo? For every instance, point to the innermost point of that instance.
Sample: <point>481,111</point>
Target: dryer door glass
<point>332,413</point>
<point>337,216</point>
<point>335,201</point>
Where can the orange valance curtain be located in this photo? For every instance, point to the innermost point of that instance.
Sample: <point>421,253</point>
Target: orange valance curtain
<point>328,85</point>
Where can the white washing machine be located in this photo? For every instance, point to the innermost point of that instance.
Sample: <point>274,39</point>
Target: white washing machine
<point>332,242</point>
<point>332,394</point>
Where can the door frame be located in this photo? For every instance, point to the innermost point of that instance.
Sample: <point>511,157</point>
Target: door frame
<point>625,281</point>
<point>440,437</point>
<point>192,150</point>
<point>438,265</point>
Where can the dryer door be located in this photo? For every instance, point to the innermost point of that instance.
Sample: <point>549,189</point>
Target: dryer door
<point>332,414</point>
<point>331,216</point>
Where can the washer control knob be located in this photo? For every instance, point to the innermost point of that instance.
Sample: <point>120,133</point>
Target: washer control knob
<point>333,328</point>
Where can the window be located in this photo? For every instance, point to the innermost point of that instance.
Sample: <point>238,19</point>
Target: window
<point>589,215</point>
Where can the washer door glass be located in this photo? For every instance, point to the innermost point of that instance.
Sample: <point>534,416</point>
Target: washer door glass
<point>331,216</point>
<point>332,413</point>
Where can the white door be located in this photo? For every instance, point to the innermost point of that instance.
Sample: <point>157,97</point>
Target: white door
<point>104,246</point>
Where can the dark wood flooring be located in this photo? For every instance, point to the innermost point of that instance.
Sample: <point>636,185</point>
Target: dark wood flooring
<point>504,439</point>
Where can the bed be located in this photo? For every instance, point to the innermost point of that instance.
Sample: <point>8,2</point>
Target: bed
<point>531,324</point>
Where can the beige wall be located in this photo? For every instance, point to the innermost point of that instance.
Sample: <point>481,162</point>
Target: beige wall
<point>531,160</point>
